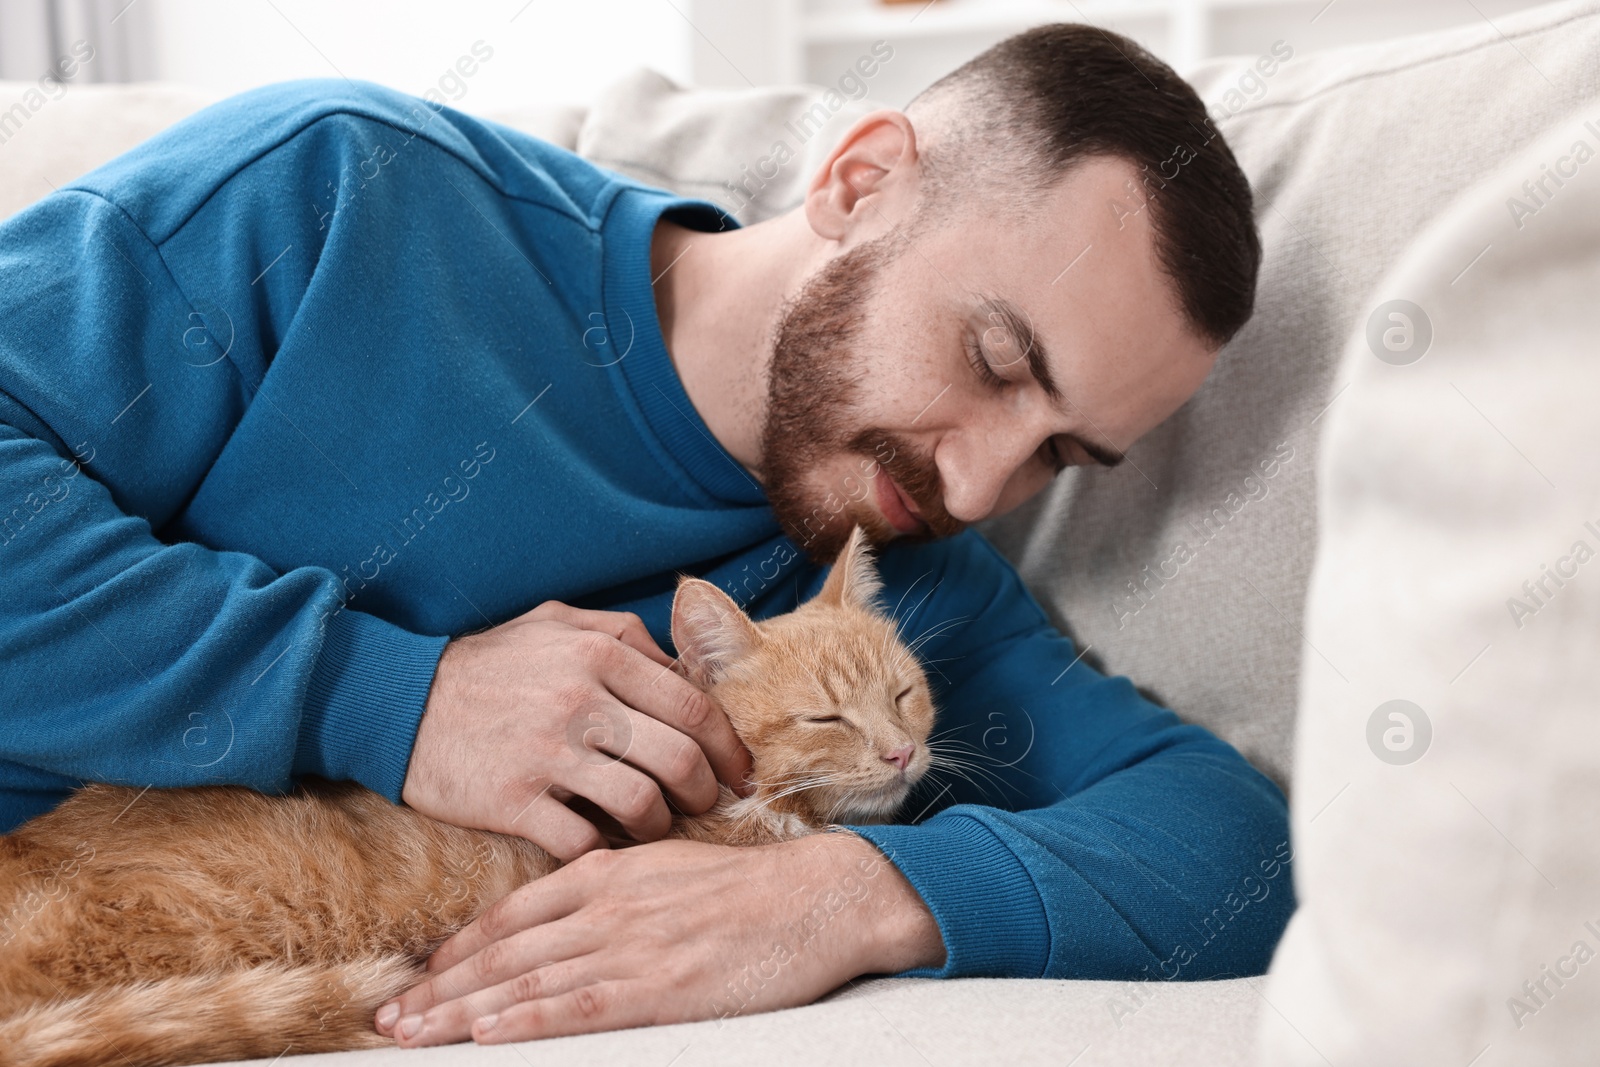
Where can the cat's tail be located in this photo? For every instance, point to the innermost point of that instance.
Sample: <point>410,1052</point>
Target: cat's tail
<point>225,1015</point>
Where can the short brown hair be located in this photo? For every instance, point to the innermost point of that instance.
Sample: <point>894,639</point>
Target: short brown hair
<point>1057,94</point>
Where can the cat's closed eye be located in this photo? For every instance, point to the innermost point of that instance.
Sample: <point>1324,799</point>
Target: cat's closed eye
<point>900,698</point>
<point>824,718</point>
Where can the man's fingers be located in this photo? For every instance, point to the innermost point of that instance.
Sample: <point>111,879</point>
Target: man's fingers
<point>550,824</point>
<point>671,699</point>
<point>635,636</point>
<point>497,962</point>
<point>645,681</point>
<point>542,901</point>
<point>672,758</point>
<point>629,795</point>
<point>451,1020</point>
<point>585,1010</point>
<point>625,626</point>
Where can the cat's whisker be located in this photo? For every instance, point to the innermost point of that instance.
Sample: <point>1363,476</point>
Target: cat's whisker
<point>913,585</point>
<point>795,777</point>
<point>799,786</point>
<point>903,657</point>
<point>933,635</point>
<point>948,762</point>
<point>938,630</point>
<point>761,805</point>
<point>918,605</point>
<point>965,777</point>
<point>994,760</point>
<point>936,627</point>
<point>968,759</point>
<point>946,743</point>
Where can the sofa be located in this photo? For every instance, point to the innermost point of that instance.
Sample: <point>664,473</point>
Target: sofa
<point>1381,488</point>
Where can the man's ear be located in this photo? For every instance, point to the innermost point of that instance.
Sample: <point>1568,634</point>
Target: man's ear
<point>710,631</point>
<point>854,578</point>
<point>875,155</point>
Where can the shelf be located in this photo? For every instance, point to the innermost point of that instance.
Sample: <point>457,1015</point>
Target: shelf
<point>948,17</point>
<point>959,16</point>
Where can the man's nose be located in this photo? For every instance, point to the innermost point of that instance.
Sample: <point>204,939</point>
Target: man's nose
<point>900,757</point>
<point>975,470</point>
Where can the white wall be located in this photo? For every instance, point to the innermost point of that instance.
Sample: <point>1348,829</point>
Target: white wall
<point>557,51</point>
<point>767,41</point>
<point>563,51</point>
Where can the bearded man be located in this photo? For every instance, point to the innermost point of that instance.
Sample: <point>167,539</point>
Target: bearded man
<point>353,438</point>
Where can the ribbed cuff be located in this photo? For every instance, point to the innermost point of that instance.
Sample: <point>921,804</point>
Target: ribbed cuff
<point>989,913</point>
<point>364,701</point>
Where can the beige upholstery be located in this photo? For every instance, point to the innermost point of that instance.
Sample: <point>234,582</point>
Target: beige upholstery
<point>911,1022</point>
<point>1452,857</point>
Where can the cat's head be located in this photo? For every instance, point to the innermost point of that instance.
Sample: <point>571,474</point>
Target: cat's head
<point>832,705</point>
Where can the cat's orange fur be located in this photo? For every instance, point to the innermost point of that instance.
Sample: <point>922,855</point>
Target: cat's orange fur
<point>190,925</point>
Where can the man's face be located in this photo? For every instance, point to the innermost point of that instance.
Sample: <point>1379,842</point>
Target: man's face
<point>910,384</point>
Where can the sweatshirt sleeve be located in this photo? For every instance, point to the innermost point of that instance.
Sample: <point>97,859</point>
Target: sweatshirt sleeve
<point>138,658</point>
<point>1088,832</point>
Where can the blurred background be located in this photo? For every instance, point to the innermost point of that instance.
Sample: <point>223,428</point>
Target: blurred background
<point>562,51</point>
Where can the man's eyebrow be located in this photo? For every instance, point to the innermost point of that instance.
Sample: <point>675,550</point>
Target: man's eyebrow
<point>1021,327</point>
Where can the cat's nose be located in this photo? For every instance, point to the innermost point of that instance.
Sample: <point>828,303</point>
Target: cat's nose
<point>900,757</point>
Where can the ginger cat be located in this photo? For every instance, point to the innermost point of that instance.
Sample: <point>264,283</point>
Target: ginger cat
<point>211,923</point>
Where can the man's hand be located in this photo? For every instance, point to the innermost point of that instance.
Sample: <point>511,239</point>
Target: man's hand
<point>562,703</point>
<point>669,932</point>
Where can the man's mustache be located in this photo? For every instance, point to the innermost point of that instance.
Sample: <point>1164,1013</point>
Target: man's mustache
<point>915,473</point>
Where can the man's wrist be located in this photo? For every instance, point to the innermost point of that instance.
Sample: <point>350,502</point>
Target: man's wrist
<point>890,928</point>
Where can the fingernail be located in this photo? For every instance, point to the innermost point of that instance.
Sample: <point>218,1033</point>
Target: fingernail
<point>410,1025</point>
<point>486,1024</point>
<point>387,1015</point>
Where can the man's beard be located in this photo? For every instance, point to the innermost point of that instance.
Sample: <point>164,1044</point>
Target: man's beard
<point>812,392</point>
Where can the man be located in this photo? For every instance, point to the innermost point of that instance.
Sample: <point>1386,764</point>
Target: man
<point>364,440</point>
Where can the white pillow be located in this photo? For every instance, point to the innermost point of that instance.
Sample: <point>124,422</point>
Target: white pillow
<point>1446,859</point>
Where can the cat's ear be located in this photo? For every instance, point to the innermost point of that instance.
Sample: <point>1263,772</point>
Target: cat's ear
<point>854,578</point>
<point>710,630</point>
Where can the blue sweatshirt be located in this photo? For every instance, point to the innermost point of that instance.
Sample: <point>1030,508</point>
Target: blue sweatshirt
<point>322,376</point>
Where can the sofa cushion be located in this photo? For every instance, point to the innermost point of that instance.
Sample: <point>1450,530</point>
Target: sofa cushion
<point>909,1022</point>
<point>1448,760</point>
<point>1350,152</point>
